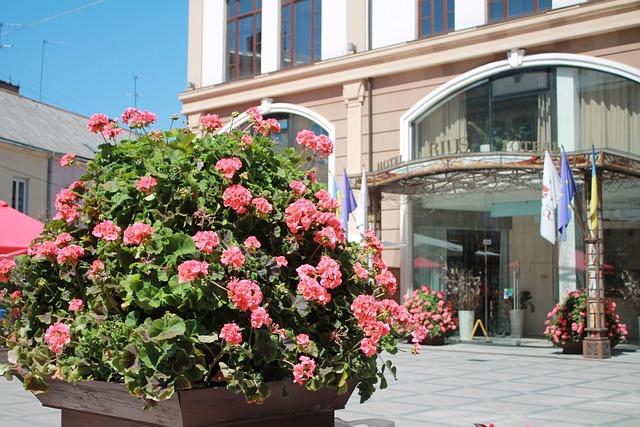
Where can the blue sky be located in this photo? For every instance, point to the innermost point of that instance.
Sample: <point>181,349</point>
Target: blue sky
<point>93,51</point>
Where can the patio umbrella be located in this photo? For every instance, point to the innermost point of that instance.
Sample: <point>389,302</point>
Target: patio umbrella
<point>16,231</point>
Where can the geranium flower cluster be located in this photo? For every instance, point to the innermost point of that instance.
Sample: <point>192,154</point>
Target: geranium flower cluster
<point>186,255</point>
<point>430,315</point>
<point>567,322</point>
<point>6,265</point>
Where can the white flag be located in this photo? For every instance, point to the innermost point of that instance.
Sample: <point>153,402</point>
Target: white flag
<point>363,204</point>
<point>550,197</point>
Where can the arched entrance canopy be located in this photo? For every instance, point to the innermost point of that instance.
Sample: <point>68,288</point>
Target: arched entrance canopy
<point>461,173</point>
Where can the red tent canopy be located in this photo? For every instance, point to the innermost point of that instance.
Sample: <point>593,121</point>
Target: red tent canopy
<point>16,231</point>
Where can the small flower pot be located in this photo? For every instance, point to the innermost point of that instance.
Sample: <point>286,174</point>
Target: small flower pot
<point>572,347</point>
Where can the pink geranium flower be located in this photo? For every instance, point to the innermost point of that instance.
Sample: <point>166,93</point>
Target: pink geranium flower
<point>232,257</point>
<point>260,317</point>
<point>245,294</point>
<point>97,123</point>
<point>70,254</point>
<point>57,336</point>
<point>303,370</point>
<point>67,160</point>
<point>252,243</point>
<point>231,333</point>
<point>206,241</point>
<point>137,233</point>
<point>96,267</point>
<point>229,166</point>
<point>191,270</point>
<point>76,304</point>
<point>211,122</point>
<point>262,205</point>
<point>237,198</point>
<point>107,230</point>
<point>146,184</point>
<point>6,265</point>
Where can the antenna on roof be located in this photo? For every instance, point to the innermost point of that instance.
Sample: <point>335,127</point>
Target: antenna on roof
<point>135,93</point>
<point>6,25</point>
<point>44,43</point>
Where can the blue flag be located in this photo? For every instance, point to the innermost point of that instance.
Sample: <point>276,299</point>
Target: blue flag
<point>567,191</point>
<point>348,202</point>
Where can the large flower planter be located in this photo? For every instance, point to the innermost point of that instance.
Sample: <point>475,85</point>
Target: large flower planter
<point>101,404</point>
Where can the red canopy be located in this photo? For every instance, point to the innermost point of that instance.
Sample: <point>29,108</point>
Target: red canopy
<point>422,262</point>
<point>16,231</point>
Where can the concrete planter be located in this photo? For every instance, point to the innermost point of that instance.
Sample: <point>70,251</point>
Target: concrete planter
<point>465,325</point>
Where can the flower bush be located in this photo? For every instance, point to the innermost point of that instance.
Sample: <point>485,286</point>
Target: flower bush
<point>430,315</point>
<point>182,261</point>
<point>464,290</point>
<point>567,322</point>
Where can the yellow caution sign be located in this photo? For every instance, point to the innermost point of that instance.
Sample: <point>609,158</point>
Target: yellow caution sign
<point>484,331</point>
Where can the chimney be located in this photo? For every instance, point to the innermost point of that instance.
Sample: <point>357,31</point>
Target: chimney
<point>9,87</point>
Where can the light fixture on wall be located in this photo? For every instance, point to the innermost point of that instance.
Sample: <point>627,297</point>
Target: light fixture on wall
<point>515,57</point>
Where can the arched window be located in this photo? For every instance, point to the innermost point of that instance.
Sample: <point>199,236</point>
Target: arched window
<point>293,119</point>
<point>290,125</point>
<point>533,109</point>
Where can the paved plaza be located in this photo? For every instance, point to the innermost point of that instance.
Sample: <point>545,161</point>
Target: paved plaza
<point>460,384</point>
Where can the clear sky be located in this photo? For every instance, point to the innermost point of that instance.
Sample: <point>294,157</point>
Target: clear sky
<point>93,51</point>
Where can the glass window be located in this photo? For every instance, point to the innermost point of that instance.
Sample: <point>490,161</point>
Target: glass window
<point>244,38</point>
<point>300,32</point>
<point>436,17</point>
<point>508,112</point>
<point>503,9</point>
<point>521,111</point>
<point>19,195</point>
<point>290,125</point>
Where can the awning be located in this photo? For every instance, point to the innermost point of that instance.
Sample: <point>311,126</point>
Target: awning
<point>17,232</point>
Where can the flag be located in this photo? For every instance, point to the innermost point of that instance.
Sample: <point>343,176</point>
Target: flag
<point>567,191</point>
<point>593,204</point>
<point>363,204</point>
<point>348,202</point>
<point>550,195</point>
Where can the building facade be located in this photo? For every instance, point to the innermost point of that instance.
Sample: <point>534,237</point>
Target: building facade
<point>33,138</point>
<point>449,105</point>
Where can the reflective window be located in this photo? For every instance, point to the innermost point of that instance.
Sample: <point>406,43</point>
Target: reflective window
<point>521,111</point>
<point>436,17</point>
<point>290,125</point>
<point>503,9</point>
<point>300,32</point>
<point>244,38</point>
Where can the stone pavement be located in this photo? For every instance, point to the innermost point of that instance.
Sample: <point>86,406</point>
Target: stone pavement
<point>460,384</point>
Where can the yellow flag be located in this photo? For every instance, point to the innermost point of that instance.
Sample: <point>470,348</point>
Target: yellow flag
<point>593,204</point>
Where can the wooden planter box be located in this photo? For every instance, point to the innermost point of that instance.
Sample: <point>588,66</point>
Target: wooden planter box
<point>101,404</point>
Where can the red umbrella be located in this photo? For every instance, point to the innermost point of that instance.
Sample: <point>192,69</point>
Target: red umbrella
<point>422,262</point>
<point>17,232</point>
<point>581,263</point>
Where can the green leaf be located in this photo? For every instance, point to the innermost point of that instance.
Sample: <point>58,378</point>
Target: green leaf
<point>179,244</point>
<point>164,329</point>
<point>207,339</point>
